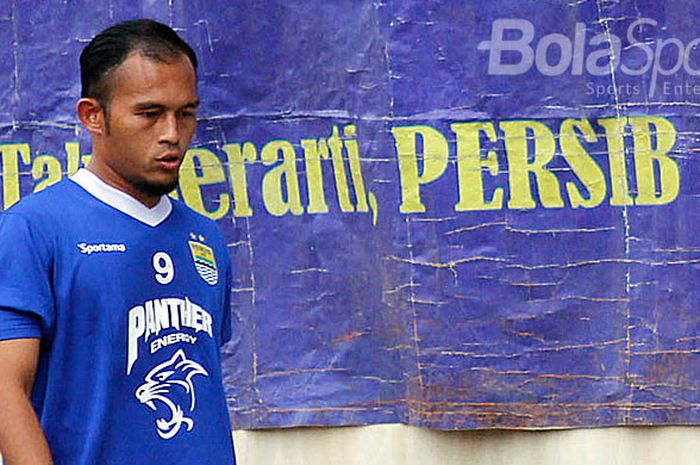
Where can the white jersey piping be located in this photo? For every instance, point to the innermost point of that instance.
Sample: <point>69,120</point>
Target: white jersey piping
<point>121,200</point>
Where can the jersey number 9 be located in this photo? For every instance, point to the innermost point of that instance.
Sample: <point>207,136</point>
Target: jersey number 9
<point>163,265</point>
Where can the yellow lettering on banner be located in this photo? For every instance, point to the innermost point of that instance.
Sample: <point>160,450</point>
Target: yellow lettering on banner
<point>645,157</point>
<point>47,170</point>
<point>582,164</point>
<point>470,163</point>
<point>353,152</point>
<point>434,154</point>
<point>519,166</point>
<point>341,178</point>
<point>72,156</point>
<point>74,160</point>
<point>237,159</point>
<point>281,179</point>
<point>615,136</point>
<point>314,151</point>
<point>212,172</point>
<point>11,155</point>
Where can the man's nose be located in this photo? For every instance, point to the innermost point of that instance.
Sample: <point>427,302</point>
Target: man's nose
<point>170,131</point>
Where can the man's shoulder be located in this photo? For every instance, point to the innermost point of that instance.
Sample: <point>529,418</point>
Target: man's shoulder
<point>53,201</point>
<point>38,218</point>
<point>198,223</point>
<point>188,215</point>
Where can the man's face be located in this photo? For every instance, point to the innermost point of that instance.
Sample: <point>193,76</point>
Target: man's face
<point>150,122</point>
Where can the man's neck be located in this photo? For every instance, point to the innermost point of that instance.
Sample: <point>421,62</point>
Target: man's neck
<point>107,176</point>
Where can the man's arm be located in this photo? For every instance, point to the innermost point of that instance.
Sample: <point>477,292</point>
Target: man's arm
<point>22,441</point>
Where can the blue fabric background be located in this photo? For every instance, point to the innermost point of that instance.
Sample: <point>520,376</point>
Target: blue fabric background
<point>517,318</point>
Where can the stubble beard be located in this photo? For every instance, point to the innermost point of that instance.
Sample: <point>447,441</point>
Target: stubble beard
<point>156,189</point>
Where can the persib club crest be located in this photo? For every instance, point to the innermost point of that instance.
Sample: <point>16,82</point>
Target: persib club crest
<point>204,260</point>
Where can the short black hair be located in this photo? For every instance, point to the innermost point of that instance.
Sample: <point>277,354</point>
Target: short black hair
<point>107,50</point>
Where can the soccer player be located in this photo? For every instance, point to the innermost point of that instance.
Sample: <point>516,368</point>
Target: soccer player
<point>114,299</point>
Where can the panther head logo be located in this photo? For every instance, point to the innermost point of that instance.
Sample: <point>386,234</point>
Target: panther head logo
<point>160,381</point>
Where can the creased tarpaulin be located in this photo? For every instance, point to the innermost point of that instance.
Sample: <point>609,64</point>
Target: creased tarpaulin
<point>448,214</point>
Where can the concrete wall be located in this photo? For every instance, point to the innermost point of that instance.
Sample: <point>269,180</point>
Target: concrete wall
<point>404,445</point>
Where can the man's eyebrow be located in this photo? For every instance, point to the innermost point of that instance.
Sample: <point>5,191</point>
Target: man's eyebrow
<point>159,106</point>
<point>148,106</point>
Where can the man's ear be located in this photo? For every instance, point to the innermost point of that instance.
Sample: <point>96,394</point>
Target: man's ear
<point>92,115</point>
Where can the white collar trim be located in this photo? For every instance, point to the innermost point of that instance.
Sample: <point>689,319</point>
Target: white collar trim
<point>121,200</point>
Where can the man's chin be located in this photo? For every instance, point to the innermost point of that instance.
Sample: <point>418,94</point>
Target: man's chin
<point>158,189</point>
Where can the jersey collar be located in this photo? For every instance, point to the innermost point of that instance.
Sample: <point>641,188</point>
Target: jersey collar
<point>121,200</point>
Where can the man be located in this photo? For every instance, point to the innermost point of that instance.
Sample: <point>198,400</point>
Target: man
<point>114,299</point>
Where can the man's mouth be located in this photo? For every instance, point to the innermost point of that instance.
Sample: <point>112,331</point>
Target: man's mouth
<point>169,162</point>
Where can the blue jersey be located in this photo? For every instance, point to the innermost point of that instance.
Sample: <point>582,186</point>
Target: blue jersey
<point>132,305</point>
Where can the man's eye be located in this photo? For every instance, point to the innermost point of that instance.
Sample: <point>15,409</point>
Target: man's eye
<point>187,114</point>
<point>148,114</point>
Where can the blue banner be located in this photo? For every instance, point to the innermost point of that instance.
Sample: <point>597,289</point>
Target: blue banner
<point>447,214</point>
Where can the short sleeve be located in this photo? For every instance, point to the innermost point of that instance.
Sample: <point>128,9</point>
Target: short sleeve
<point>18,325</point>
<point>25,277</point>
